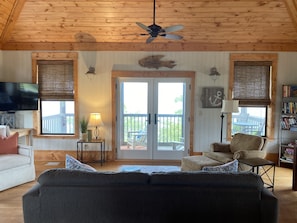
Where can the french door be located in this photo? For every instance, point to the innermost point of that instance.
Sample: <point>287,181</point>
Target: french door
<point>152,118</point>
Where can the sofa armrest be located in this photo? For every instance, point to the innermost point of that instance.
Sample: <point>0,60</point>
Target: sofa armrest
<point>269,207</point>
<point>31,204</point>
<point>25,150</point>
<point>220,147</point>
<point>247,154</point>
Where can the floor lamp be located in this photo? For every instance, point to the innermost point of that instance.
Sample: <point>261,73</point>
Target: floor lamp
<point>229,106</point>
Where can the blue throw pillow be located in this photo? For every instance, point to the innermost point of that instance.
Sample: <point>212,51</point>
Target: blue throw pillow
<point>74,164</point>
<point>226,167</point>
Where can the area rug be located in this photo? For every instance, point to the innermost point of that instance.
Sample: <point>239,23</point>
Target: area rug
<point>148,168</point>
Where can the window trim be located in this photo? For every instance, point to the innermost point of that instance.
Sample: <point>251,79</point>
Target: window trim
<point>273,57</point>
<point>36,114</point>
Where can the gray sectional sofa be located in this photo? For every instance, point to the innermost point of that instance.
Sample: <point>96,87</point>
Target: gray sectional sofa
<point>73,196</point>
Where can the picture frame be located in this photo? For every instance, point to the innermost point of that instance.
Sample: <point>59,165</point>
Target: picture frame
<point>212,97</point>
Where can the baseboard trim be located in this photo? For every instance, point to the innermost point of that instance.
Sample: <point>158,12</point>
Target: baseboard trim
<point>59,155</point>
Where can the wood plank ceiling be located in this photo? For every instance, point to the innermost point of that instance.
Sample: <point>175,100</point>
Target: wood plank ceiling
<point>209,25</point>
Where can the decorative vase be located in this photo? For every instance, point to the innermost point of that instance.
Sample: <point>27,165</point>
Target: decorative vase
<point>84,136</point>
<point>90,135</point>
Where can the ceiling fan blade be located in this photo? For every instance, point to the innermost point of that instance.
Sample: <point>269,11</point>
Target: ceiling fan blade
<point>173,28</point>
<point>143,26</point>
<point>172,36</point>
<point>150,39</point>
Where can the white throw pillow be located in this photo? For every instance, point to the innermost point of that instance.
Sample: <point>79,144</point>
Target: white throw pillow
<point>226,167</point>
<point>3,131</point>
<point>8,131</point>
<point>74,164</point>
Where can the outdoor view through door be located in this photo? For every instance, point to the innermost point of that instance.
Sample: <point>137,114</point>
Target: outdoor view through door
<point>152,115</point>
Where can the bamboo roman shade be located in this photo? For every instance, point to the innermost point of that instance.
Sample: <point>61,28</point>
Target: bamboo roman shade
<point>55,79</point>
<point>252,82</point>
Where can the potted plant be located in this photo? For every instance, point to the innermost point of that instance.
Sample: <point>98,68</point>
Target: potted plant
<point>83,128</point>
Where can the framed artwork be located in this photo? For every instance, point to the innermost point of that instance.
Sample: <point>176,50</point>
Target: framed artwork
<point>212,97</point>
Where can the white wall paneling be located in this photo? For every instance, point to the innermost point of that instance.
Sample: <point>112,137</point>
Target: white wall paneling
<point>95,91</point>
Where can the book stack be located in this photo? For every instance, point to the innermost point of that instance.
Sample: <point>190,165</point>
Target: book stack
<point>288,154</point>
<point>289,123</point>
<point>289,91</point>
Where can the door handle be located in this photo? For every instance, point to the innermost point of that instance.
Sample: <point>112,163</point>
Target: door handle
<point>149,118</point>
<point>156,116</point>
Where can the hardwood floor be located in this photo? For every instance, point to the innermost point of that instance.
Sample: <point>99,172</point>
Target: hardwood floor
<point>11,199</point>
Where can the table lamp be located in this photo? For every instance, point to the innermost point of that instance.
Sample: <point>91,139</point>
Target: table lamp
<point>229,106</point>
<point>95,121</point>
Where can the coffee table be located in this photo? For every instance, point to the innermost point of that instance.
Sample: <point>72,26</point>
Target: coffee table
<point>263,168</point>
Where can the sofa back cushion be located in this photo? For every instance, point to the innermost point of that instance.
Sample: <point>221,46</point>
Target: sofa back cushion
<point>9,145</point>
<point>242,141</point>
<point>68,177</point>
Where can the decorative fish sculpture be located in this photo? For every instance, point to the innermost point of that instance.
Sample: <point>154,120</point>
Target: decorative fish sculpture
<point>156,62</point>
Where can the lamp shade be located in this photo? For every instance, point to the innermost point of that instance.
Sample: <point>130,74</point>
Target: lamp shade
<point>230,106</point>
<point>95,119</point>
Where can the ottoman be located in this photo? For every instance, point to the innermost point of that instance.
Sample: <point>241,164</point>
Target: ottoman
<point>190,163</point>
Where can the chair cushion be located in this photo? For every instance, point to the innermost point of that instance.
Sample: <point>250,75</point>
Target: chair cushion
<point>242,141</point>
<point>219,156</point>
<point>9,145</point>
<point>9,161</point>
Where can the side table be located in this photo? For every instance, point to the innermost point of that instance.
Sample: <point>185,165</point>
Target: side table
<point>80,148</point>
<point>263,168</point>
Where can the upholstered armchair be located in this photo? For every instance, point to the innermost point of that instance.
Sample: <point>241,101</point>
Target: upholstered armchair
<point>242,146</point>
<point>16,162</point>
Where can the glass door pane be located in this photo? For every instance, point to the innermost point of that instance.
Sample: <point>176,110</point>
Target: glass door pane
<point>170,120</point>
<point>151,118</point>
<point>133,120</point>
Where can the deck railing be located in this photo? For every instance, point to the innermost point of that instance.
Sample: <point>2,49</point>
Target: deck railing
<point>58,124</point>
<point>252,125</point>
<point>170,126</point>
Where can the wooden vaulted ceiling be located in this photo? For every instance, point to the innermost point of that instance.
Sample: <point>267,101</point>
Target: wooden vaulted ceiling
<point>209,25</point>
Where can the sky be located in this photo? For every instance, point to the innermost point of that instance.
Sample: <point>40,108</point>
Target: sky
<point>136,94</point>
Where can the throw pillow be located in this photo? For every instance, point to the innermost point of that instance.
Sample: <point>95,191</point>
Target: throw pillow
<point>2,131</point>
<point>9,145</point>
<point>226,167</point>
<point>74,164</point>
<point>8,133</point>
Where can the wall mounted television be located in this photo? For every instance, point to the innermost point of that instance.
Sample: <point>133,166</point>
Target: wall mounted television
<point>18,96</point>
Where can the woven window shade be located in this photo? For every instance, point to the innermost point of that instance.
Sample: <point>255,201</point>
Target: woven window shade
<point>55,79</point>
<point>251,83</point>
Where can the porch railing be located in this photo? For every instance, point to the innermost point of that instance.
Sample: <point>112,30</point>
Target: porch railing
<point>252,125</point>
<point>58,124</point>
<point>170,126</point>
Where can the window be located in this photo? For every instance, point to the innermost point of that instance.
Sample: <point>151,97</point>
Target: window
<point>57,86</point>
<point>251,82</point>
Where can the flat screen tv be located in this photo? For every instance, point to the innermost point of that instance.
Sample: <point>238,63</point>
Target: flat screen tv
<point>18,96</point>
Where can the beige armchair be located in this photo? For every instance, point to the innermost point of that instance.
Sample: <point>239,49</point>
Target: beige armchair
<point>242,146</point>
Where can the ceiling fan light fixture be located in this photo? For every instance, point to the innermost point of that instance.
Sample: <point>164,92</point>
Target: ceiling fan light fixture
<point>155,30</point>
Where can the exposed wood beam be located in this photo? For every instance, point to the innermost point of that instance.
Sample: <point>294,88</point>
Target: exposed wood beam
<point>14,14</point>
<point>289,47</point>
<point>292,10</point>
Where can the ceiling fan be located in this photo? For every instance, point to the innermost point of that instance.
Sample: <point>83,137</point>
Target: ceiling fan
<point>155,30</point>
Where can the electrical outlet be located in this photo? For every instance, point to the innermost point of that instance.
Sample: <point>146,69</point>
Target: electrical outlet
<point>86,146</point>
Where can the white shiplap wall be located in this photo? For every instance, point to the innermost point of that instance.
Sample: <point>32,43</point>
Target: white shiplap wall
<point>95,90</point>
